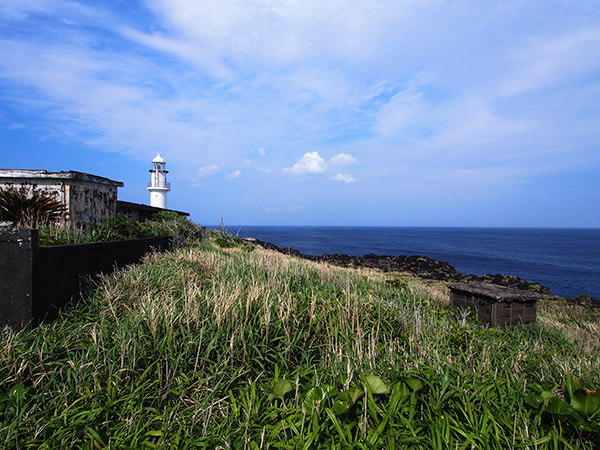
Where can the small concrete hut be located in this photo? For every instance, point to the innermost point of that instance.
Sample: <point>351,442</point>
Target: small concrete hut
<point>87,198</point>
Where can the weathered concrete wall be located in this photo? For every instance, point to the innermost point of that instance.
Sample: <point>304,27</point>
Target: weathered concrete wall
<point>90,202</point>
<point>36,282</point>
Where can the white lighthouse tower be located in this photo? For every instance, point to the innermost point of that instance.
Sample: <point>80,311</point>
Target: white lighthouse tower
<point>158,185</point>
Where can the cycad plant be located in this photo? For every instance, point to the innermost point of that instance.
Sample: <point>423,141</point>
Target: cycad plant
<point>24,211</point>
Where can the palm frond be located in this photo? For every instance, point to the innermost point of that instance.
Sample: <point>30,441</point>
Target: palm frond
<point>33,211</point>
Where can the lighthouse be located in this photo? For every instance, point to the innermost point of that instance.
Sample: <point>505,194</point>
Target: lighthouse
<point>158,185</point>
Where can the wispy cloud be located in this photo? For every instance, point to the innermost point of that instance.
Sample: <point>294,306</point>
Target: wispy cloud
<point>197,55</point>
<point>344,178</point>
<point>549,63</point>
<point>207,171</point>
<point>234,174</point>
<point>342,159</point>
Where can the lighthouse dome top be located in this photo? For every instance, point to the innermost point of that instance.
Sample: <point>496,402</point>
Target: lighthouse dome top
<point>158,159</point>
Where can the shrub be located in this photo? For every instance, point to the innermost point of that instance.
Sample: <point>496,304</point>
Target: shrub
<point>24,211</point>
<point>165,223</point>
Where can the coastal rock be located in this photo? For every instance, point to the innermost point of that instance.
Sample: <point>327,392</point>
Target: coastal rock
<point>420,266</point>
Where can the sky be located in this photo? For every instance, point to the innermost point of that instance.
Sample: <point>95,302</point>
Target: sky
<point>315,112</point>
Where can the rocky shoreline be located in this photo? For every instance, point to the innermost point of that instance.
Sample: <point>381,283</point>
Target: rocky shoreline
<point>420,266</point>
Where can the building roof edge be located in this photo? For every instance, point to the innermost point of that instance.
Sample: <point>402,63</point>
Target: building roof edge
<point>64,175</point>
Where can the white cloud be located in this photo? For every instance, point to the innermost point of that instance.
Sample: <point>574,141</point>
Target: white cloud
<point>415,85</point>
<point>342,159</point>
<point>234,174</point>
<point>310,163</point>
<point>247,162</point>
<point>207,171</point>
<point>344,178</point>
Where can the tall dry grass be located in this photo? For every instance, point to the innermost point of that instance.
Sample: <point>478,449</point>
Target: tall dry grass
<point>174,351</point>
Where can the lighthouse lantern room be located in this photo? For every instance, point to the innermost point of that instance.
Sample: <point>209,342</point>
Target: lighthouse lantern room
<point>158,185</point>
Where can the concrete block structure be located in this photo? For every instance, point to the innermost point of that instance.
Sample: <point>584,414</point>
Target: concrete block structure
<point>497,306</point>
<point>87,198</point>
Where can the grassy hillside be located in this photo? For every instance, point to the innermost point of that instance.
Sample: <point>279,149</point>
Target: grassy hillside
<point>212,347</point>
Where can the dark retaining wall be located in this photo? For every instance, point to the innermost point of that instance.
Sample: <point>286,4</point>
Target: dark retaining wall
<point>37,281</point>
<point>16,274</point>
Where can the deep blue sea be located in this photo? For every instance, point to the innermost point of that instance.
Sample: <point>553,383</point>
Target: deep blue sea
<point>565,260</point>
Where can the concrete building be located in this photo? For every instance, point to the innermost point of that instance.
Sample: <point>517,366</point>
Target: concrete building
<point>87,198</point>
<point>158,185</point>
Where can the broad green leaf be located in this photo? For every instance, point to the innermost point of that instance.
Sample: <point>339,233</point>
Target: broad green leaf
<point>572,385</point>
<point>585,402</point>
<point>280,388</point>
<point>376,385</point>
<point>549,386</point>
<point>558,407</point>
<point>583,425</point>
<point>340,407</point>
<point>536,387</point>
<point>534,400</point>
<point>346,399</point>
<point>354,394</point>
<point>547,396</point>
<point>329,390</point>
<point>414,383</point>
<point>312,397</point>
<point>350,396</point>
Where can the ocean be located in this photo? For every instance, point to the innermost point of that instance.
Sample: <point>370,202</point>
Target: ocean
<point>565,260</point>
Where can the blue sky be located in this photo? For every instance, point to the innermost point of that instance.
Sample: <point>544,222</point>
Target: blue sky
<point>315,112</point>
